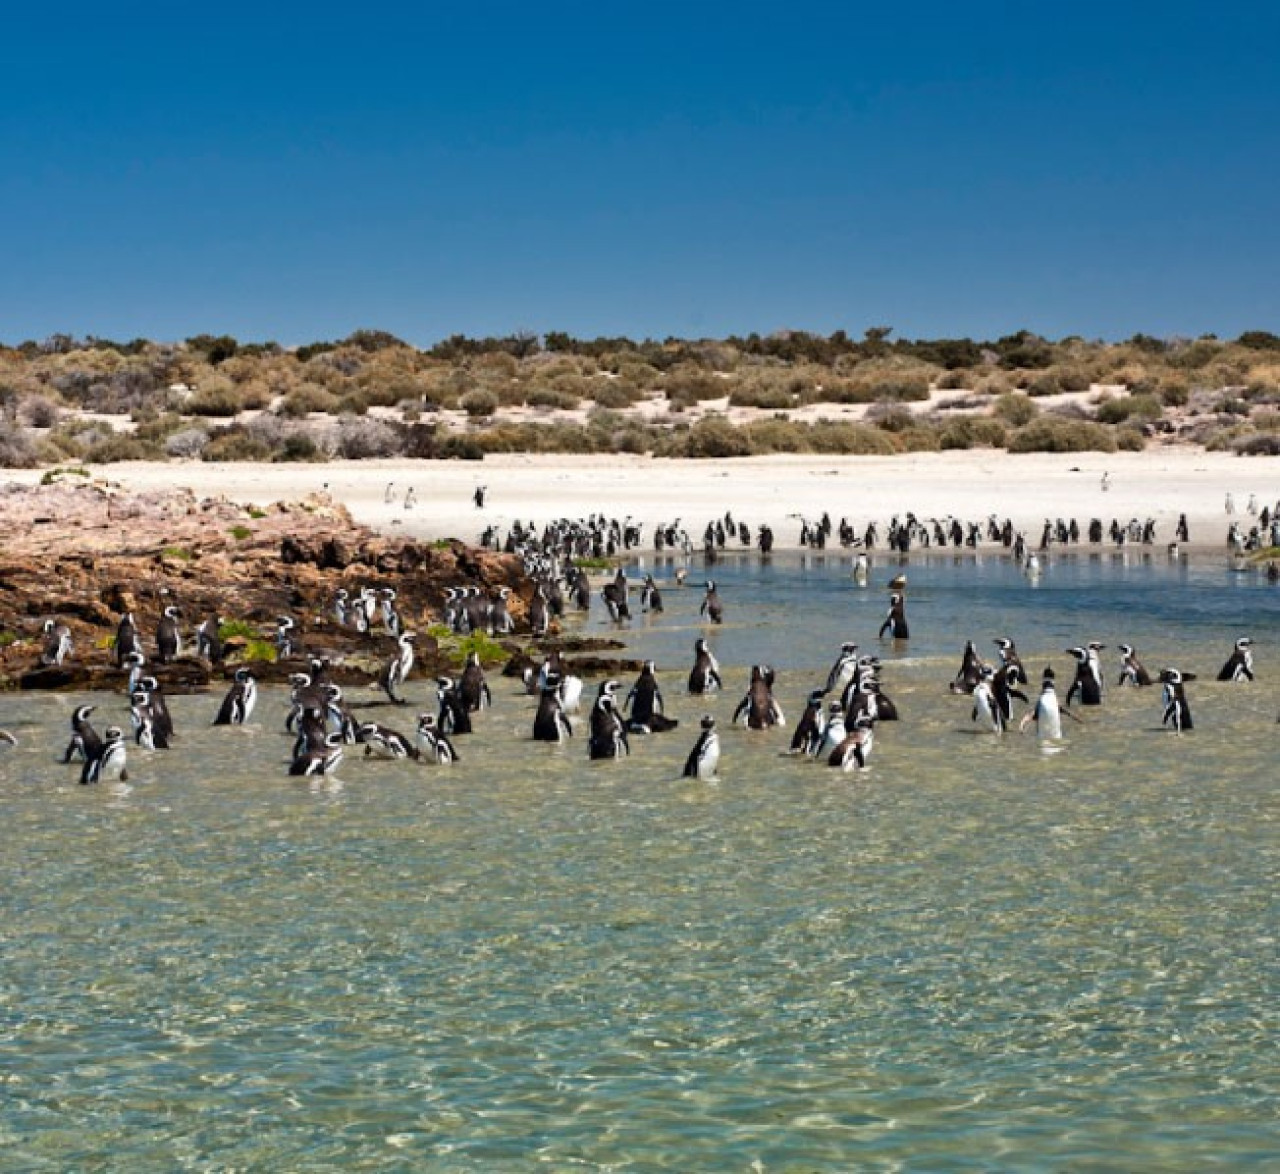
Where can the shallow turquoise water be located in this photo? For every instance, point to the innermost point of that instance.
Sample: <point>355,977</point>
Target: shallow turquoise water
<point>974,955</point>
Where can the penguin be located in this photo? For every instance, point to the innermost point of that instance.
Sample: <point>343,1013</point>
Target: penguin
<point>711,607</point>
<point>324,760</point>
<point>970,670</point>
<point>57,643</point>
<point>854,751</point>
<point>759,708</point>
<point>551,723</point>
<point>841,673</point>
<point>645,705</point>
<point>616,594</point>
<point>454,718</point>
<point>127,642</point>
<point>433,746</point>
<point>812,726</point>
<point>396,671</point>
<point>1046,712</point>
<point>383,742</point>
<point>390,616</point>
<point>1239,666</point>
<point>342,607</point>
<point>159,706</point>
<point>1088,679</point>
<point>85,741</point>
<point>209,640</point>
<point>986,712</point>
<point>110,760</point>
<point>1176,712</point>
<point>147,731</point>
<point>1004,689</point>
<point>895,623</point>
<point>1131,668</point>
<point>473,689</point>
<point>650,596</point>
<point>608,737</point>
<point>286,638</point>
<point>704,677</point>
<point>861,569</point>
<point>500,620</point>
<point>7,739</point>
<point>1009,655</point>
<point>704,758</point>
<point>237,705</point>
<point>168,636</point>
<point>539,617</point>
<point>836,730</point>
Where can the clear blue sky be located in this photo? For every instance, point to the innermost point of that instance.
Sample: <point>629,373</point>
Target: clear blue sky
<point>295,172</point>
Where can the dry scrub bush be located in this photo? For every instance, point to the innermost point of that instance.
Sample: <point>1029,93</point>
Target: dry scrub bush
<point>1054,434</point>
<point>1015,408</point>
<point>186,443</point>
<point>479,404</point>
<point>360,438</point>
<point>17,451</point>
<point>973,432</point>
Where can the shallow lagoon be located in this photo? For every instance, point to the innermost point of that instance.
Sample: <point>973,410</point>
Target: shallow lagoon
<point>973,955</point>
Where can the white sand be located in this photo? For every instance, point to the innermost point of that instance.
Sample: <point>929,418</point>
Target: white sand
<point>971,485</point>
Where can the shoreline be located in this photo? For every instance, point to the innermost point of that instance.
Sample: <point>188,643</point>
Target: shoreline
<point>774,490</point>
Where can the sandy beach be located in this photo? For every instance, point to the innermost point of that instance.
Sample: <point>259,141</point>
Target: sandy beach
<point>777,490</point>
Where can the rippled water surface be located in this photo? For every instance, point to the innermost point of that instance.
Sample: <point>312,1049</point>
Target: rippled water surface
<point>973,955</point>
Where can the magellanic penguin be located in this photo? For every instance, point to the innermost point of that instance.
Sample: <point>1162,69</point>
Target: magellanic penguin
<point>1087,684</point>
<point>397,668</point>
<point>970,670</point>
<point>608,733</point>
<point>209,639</point>
<point>1046,712</point>
<point>1176,713</point>
<point>383,742</point>
<point>168,636</point>
<point>854,751</point>
<point>434,746</point>
<point>127,642</point>
<point>159,705</point>
<point>704,758</point>
<point>645,705</point>
<point>841,672</point>
<point>551,723</point>
<point>454,717</point>
<point>320,761</point>
<point>473,688</point>
<point>812,726</point>
<point>86,742</point>
<point>1009,656</point>
<point>147,731</point>
<point>110,760</point>
<point>57,643</point>
<point>650,596</point>
<point>237,705</point>
<point>1132,671</point>
<point>704,677</point>
<point>1239,666</point>
<point>895,623</point>
<point>986,712</point>
<point>711,607</point>
<point>759,709</point>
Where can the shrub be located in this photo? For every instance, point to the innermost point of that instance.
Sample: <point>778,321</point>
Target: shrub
<point>714,436</point>
<point>479,404</point>
<point>189,442</point>
<point>299,446</point>
<point>1054,434</point>
<point>614,393</point>
<point>17,451</point>
<point>216,397</point>
<point>235,445</point>
<point>305,399</point>
<point>1130,439</point>
<point>1015,409</point>
<point>550,397</point>
<point>120,447</point>
<point>362,438</point>
<point>39,411</point>
<point>973,432</point>
<point>1259,444</point>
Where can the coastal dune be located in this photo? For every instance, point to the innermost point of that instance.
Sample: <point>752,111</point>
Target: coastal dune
<point>777,490</point>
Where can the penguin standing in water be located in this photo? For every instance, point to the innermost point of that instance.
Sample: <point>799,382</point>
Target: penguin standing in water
<point>454,717</point>
<point>1087,684</point>
<point>759,707</point>
<point>895,623</point>
<point>473,688</point>
<point>608,733</point>
<point>1176,713</point>
<point>1132,672</point>
<point>1004,688</point>
<point>704,758</point>
<point>1239,666</point>
<point>1046,713</point>
<point>854,751</point>
<point>811,728</point>
<point>1009,656</point>
<point>237,705</point>
<point>551,723</point>
<point>704,677</point>
<point>109,762</point>
<point>650,596</point>
<point>970,673</point>
<point>383,742</point>
<point>158,705</point>
<point>711,607</point>
<point>645,705</point>
<point>434,746</point>
<point>86,742</point>
<point>147,731</point>
<point>321,760</point>
<point>986,712</point>
<point>841,673</point>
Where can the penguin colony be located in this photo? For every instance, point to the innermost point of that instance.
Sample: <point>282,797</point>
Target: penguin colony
<point>838,721</point>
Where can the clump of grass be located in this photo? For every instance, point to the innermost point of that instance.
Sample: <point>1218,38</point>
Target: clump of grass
<point>180,553</point>
<point>255,511</point>
<point>52,475</point>
<point>7,637</point>
<point>238,630</point>
<point>240,533</point>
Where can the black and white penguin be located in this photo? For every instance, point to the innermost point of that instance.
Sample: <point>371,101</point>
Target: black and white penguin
<point>323,760</point>
<point>539,615</point>
<point>704,677</point>
<point>712,607</point>
<point>7,739</point>
<point>1132,671</point>
<point>759,709</point>
<point>1004,687</point>
<point>148,732</point>
<point>1046,712</point>
<point>650,596</point>
<point>168,636</point>
<point>970,670</point>
<point>237,705</point>
<point>895,623</point>
<point>383,742</point>
<point>551,723</point>
<point>390,616</point>
<point>1239,666</point>
<point>812,726</point>
<point>85,743</point>
<point>159,706</point>
<point>127,642</point>
<point>617,597</point>
<point>209,639</point>
<point>433,746</point>
<point>453,718</point>
<point>854,751</point>
<point>1176,712</point>
<point>1087,685</point>
<point>1009,655</point>
<point>836,730</point>
<point>645,705</point>
<point>57,643</point>
<point>342,607</point>
<point>841,672</point>
<point>473,688</point>
<point>608,732</point>
<point>287,638</point>
<point>985,710</point>
<point>500,621</point>
<point>396,671</point>
<point>110,761</point>
<point>704,758</point>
